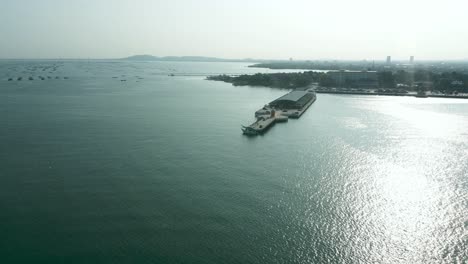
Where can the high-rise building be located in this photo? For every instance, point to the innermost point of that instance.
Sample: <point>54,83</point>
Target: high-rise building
<point>389,59</point>
<point>411,60</point>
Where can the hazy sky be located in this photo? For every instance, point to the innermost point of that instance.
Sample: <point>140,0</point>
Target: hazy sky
<point>302,29</point>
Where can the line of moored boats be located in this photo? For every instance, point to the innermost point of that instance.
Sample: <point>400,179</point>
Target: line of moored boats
<point>30,78</point>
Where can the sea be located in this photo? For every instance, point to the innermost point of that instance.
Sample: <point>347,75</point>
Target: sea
<point>109,161</point>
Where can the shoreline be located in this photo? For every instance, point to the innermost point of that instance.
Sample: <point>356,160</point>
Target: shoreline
<point>318,82</point>
<point>392,94</point>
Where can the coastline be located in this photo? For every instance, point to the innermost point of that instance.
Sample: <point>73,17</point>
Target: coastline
<point>321,91</point>
<point>321,82</point>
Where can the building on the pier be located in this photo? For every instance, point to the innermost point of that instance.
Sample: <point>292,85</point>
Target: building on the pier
<point>293,100</point>
<point>358,79</point>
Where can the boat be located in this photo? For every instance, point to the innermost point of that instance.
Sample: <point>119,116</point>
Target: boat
<point>259,126</point>
<point>249,131</point>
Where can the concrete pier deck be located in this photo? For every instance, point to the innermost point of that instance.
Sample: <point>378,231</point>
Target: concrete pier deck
<point>262,124</point>
<point>291,105</point>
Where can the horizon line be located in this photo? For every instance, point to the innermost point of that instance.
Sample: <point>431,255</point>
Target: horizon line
<point>240,59</point>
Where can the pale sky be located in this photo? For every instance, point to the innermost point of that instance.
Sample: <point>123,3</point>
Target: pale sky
<point>267,29</point>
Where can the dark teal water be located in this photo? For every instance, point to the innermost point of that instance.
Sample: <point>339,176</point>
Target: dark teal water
<point>155,170</point>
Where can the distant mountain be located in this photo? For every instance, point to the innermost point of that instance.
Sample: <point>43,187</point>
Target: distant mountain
<point>184,58</point>
<point>142,58</point>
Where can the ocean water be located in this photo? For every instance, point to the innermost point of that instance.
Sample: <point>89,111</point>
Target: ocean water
<point>154,169</point>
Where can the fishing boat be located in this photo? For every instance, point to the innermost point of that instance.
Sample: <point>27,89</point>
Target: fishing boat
<point>249,131</point>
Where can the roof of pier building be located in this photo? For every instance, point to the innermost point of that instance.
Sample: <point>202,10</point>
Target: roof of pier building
<point>294,98</point>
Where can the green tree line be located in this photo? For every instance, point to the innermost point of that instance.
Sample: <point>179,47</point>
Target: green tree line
<point>446,82</point>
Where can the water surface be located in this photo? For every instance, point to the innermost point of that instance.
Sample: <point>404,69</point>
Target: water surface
<point>148,168</point>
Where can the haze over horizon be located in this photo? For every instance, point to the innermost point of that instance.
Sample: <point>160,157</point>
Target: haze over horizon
<point>299,29</point>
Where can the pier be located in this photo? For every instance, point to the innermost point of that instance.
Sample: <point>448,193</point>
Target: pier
<point>290,105</point>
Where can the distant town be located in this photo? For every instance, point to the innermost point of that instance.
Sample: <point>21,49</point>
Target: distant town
<point>427,78</point>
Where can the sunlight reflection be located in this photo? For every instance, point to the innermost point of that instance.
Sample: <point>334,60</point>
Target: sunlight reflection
<point>428,123</point>
<point>406,212</point>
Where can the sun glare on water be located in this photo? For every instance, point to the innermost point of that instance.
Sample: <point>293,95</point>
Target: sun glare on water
<point>416,209</point>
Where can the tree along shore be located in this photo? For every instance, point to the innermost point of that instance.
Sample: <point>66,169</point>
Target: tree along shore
<point>450,83</point>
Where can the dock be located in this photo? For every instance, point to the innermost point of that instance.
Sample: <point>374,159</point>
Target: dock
<point>259,126</point>
<point>291,105</point>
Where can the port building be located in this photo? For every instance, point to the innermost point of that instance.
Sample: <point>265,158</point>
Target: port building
<point>358,79</point>
<point>291,105</point>
<point>293,100</point>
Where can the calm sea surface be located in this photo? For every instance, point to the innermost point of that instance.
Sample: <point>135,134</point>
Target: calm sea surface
<point>154,169</point>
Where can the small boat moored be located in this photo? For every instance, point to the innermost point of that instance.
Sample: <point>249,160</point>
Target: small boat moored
<point>249,131</point>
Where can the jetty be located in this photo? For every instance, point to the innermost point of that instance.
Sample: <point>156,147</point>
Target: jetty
<point>290,105</point>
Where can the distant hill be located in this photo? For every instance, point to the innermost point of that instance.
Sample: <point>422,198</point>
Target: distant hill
<point>184,58</point>
<point>142,58</point>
